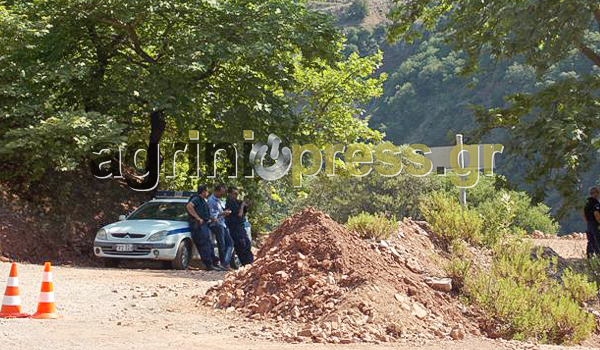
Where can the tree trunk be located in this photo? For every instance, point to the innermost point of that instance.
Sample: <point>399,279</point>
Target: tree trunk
<point>157,128</point>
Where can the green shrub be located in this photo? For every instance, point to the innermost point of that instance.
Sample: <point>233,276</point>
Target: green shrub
<point>525,303</point>
<point>593,268</point>
<point>459,270</point>
<point>459,267</point>
<point>488,194</point>
<point>344,196</point>
<point>358,10</point>
<point>376,226</point>
<point>449,220</point>
<point>578,286</point>
<point>531,217</point>
<point>497,217</point>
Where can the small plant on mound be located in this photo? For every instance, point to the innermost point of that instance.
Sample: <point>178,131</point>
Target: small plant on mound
<point>525,303</point>
<point>460,265</point>
<point>376,226</point>
<point>449,220</point>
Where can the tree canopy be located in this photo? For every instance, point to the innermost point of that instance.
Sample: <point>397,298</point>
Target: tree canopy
<point>554,126</point>
<point>76,73</point>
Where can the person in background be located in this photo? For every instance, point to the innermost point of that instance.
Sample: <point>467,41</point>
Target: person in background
<point>235,222</point>
<point>218,227</point>
<point>199,218</point>
<point>591,215</point>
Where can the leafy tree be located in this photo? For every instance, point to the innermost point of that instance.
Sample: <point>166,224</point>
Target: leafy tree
<point>329,99</point>
<point>554,127</point>
<point>115,67</point>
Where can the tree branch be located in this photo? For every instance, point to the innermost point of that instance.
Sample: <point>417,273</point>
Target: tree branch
<point>589,53</point>
<point>165,39</point>
<point>210,71</point>
<point>597,16</point>
<point>129,28</point>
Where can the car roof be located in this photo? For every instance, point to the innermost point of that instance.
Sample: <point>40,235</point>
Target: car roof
<point>170,200</point>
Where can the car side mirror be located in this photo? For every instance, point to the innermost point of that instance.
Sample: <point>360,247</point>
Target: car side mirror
<point>122,217</point>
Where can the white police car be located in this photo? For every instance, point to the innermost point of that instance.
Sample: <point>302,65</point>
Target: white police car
<point>157,230</point>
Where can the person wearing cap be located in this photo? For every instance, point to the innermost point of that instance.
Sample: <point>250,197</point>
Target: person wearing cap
<point>235,222</point>
<point>217,225</point>
<point>199,218</point>
<point>591,215</point>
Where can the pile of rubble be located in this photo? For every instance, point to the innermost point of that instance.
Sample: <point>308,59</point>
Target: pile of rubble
<point>537,234</point>
<point>328,285</point>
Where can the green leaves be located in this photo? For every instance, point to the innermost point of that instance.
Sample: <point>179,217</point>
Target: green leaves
<point>62,141</point>
<point>553,126</point>
<point>219,67</point>
<point>329,98</point>
<point>519,296</point>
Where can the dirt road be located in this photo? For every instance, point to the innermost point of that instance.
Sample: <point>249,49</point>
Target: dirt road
<point>116,309</point>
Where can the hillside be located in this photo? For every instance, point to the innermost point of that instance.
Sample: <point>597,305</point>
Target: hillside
<point>427,100</point>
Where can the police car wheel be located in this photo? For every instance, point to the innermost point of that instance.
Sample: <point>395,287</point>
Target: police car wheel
<point>182,259</point>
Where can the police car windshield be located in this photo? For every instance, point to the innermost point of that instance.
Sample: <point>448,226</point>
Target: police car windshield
<point>160,211</point>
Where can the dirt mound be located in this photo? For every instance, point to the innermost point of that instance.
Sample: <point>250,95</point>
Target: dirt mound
<point>56,220</point>
<point>328,285</point>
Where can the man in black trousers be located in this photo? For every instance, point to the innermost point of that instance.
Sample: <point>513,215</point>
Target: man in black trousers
<point>197,209</point>
<point>235,222</point>
<point>591,215</point>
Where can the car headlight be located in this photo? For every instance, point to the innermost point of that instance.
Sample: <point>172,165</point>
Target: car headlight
<point>102,235</point>
<point>158,236</point>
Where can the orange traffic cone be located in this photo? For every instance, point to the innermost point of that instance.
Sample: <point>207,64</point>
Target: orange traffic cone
<point>46,307</point>
<point>11,303</point>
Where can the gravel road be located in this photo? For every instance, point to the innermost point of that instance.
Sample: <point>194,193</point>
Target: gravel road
<point>131,309</point>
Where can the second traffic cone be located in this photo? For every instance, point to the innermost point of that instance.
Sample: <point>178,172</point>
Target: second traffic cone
<point>11,303</point>
<point>46,308</point>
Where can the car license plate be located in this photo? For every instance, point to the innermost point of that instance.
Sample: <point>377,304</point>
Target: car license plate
<point>124,247</point>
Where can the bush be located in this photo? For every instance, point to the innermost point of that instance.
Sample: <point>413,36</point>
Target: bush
<point>449,220</point>
<point>578,286</point>
<point>593,268</point>
<point>344,196</point>
<point>376,226</point>
<point>497,217</point>
<point>460,265</point>
<point>488,194</point>
<point>526,304</point>
<point>531,217</point>
<point>358,10</point>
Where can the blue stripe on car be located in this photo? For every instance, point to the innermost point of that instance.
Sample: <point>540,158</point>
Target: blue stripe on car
<point>179,230</point>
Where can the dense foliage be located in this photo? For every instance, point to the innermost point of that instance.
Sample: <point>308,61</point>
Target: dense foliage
<point>526,303</point>
<point>427,100</point>
<point>542,35</point>
<point>120,71</point>
<point>358,10</point>
<point>519,290</point>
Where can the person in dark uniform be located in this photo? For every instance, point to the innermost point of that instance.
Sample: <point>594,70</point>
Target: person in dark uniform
<point>235,222</point>
<point>591,215</point>
<point>197,209</point>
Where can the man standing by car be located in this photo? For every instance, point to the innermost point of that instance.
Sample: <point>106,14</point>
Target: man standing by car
<point>591,215</point>
<point>218,226</point>
<point>235,222</point>
<point>198,211</point>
